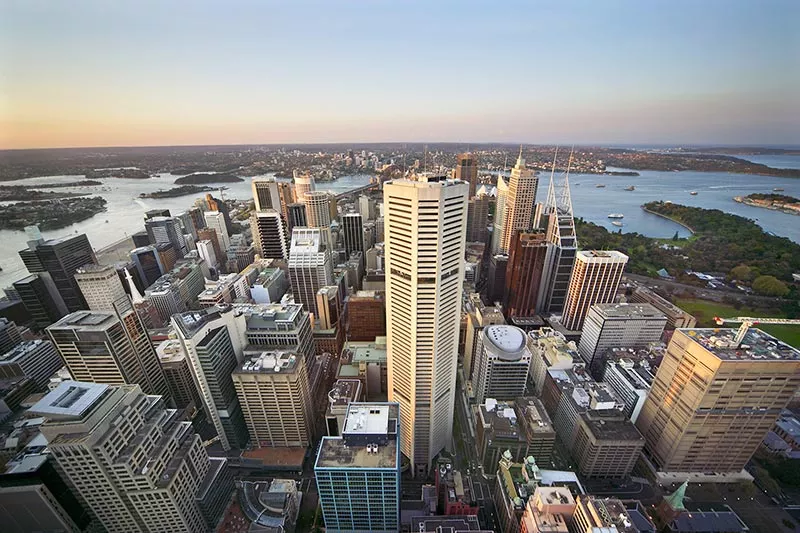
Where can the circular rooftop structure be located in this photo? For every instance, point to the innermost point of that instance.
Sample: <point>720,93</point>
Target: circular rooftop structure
<point>506,342</point>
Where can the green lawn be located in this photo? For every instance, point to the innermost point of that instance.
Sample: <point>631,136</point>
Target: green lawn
<point>705,312</point>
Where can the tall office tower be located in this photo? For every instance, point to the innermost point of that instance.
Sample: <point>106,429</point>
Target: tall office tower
<point>366,316</point>
<point>265,194</point>
<point>479,316</point>
<point>111,348</point>
<point>35,359</point>
<point>280,326</point>
<point>198,220</point>
<point>520,203</point>
<point>499,215</point>
<point>41,299</point>
<point>353,233</point>
<point>137,465</point>
<point>595,280</point>
<point>60,258</point>
<point>276,401</point>
<point>9,335</point>
<point>140,238</point>
<point>286,197</point>
<point>425,241</point>
<point>187,223</point>
<point>713,402</point>
<point>296,216</point>
<point>478,218</point>
<point>619,326</point>
<point>329,307</point>
<point>303,183</point>
<point>213,340</point>
<point>210,234</point>
<point>148,264</point>
<point>333,204</point>
<point>358,474</point>
<point>501,364</point>
<point>152,213</point>
<point>563,245</point>
<point>216,221</point>
<point>676,317</point>
<point>178,373</point>
<point>269,234</point>
<point>467,171</point>
<point>366,207</point>
<point>219,206</point>
<point>310,266</point>
<point>146,309</point>
<point>524,273</point>
<point>496,278</point>
<point>101,287</point>
<point>167,255</point>
<point>318,212</point>
<point>206,250</point>
<point>123,268</point>
<point>167,230</point>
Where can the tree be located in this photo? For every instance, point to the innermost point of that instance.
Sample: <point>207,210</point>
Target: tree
<point>742,273</point>
<point>770,286</point>
<point>675,237</point>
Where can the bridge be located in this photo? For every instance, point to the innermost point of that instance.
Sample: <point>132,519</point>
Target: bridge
<point>353,192</point>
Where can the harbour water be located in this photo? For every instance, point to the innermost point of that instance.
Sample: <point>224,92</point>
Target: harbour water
<point>715,190</point>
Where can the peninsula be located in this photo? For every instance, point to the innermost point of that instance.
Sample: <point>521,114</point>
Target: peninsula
<point>183,190</point>
<point>776,202</point>
<point>50,214</point>
<point>199,178</point>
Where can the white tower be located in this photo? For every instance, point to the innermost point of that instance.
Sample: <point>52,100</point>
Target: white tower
<point>425,239</point>
<point>520,204</point>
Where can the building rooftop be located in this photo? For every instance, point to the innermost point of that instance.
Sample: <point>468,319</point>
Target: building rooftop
<point>600,255</point>
<point>446,524</point>
<point>85,320</point>
<point>757,345</point>
<point>22,349</point>
<point>170,351</point>
<point>369,439</point>
<point>533,415</point>
<point>343,392</point>
<point>506,342</point>
<point>628,310</point>
<point>610,425</point>
<point>192,321</point>
<point>613,513</point>
<point>636,373</point>
<point>269,362</point>
<point>71,399</point>
<point>91,268</point>
<point>271,316</point>
<point>718,519</point>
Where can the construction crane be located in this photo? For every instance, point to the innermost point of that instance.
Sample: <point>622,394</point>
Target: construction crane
<point>748,321</point>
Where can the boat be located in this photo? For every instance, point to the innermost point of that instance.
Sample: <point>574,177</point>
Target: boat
<point>600,185</point>
<point>778,189</point>
<point>617,223</point>
<point>631,188</point>
<point>693,193</point>
<point>616,215</point>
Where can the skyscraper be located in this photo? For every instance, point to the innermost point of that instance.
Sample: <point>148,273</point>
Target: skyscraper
<point>273,390</point>
<point>467,171</point>
<point>520,204</point>
<point>269,234</point>
<point>296,216</point>
<point>213,340</point>
<point>353,233</point>
<point>60,258</point>
<point>619,326</point>
<point>167,230</point>
<point>9,335</point>
<point>525,273</point>
<point>595,280</point>
<point>318,213</point>
<point>205,249</point>
<point>41,299</point>
<point>210,234</point>
<point>499,215</point>
<point>303,183</point>
<point>217,205</point>
<point>563,245</point>
<point>136,464</point>
<point>216,221</point>
<point>477,218</point>
<point>265,194</point>
<point>358,474</point>
<point>101,287</point>
<point>148,263</point>
<point>110,348</point>
<point>425,231</point>
<point>310,266</point>
<point>501,364</point>
<point>713,402</point>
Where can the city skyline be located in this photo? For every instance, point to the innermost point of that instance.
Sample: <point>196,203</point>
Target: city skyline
<point>144,74</point>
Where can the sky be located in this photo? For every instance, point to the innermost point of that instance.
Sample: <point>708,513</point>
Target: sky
<point>162,72</point>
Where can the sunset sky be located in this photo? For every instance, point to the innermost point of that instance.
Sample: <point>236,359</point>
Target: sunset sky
<point>195,72</point>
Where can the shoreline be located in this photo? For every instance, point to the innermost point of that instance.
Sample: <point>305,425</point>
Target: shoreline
<point>691,230</point>
<point>781,209</point>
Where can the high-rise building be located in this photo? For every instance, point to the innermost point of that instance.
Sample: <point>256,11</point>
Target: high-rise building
<point>467,171</point>
<point>496,278</point>
<point>60,258</point>
<point>713,401</point>
<point>101,287</point>
<point>266,194</point>
<point>425,241</point>
<point>216,221</point>
<point>563,245</point>
<point>353,233</point>
<point>310,266</point>
<point>111,348</point>
<point>273,390</point>
<point>9,335</point>
<point>219,206</point>
<point>152,213</point>
<point>167,255</point>
<point>366,316</point>
<point>136,464</point>
<point>520,203</point>
<point>478,218</point>
<point>41,299</point>
<point>296,216</point>
<point>178,373</point>
<point>269,234</point>
<point>318,213</point>
<point>595,280</point>
<point>167,230</point>
<point>205,249</point>
<point>366,207</point>
<point>209,234</point>
<point>593,514</point>
<point>358,474</point>
<point>619,326</point>
<point>499,215</point>
<point>525,274</point>
<point>676,317</point>
<point>303,183</point>
<point>36,359</point>
<point>502,363</point>
<point>280,326</point>
<point>148,264</point>
<point>213,340</point>
<point>479,316</point>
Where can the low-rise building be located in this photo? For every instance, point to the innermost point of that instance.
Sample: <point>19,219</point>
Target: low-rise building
<point>343,393</point>
<point>549,510</point>
<point>550,351</point>
<point>366,361</point>
<point>516,483</point>
<point>594,514</point>
<point>453,490</point>
<point>631,381</point>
